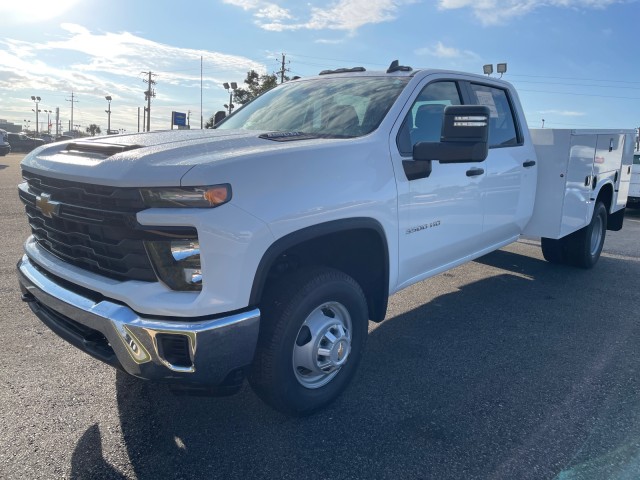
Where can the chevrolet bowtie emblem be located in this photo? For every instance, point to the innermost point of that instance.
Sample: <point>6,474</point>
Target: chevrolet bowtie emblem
<point>47,206</point>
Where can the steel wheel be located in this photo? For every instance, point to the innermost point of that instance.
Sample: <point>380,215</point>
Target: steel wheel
<point>312,334</point>
<point>323,345</point>
<point>596,235</point>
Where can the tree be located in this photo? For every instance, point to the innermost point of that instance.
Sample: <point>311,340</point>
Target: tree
<point>256,85</point>
<point>94,129</point>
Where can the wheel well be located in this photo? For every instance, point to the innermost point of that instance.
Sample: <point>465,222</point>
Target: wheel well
<point>614,220</point>
<point>605,195</point>
<point>361,253</point>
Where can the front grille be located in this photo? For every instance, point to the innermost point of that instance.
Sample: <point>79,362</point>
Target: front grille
<point>94,227</point>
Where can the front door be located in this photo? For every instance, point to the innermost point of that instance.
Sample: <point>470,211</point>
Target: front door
<point>440,215</point>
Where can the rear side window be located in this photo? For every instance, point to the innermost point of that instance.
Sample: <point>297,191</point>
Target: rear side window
<point>502,126</point>
<point>636,159</point>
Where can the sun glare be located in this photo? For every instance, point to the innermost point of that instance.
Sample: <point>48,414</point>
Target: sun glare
<point>36,12</point>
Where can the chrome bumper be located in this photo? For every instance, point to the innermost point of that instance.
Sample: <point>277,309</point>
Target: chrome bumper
<point>207,352</point>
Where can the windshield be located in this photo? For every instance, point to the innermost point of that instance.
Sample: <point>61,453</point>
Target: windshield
<point>325,107</point>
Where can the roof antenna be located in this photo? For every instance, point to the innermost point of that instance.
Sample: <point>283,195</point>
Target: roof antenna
<point>396,67</point>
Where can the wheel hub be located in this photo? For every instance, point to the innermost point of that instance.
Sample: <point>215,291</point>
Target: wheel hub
<point>323,345</point>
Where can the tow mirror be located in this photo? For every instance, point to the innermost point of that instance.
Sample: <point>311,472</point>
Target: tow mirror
<point>465,130</point>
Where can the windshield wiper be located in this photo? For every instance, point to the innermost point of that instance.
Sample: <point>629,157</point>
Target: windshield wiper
<point>287,136</point>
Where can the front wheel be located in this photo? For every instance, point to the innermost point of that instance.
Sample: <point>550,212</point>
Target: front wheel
<point>313,330</point>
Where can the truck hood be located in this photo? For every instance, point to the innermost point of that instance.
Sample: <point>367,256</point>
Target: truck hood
<point>150,159</point>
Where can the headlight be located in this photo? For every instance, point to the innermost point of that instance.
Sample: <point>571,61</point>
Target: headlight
<point>195,197</point>
<point>177,263</point>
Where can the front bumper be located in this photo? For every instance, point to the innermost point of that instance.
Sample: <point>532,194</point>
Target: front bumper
<point>203,352</point>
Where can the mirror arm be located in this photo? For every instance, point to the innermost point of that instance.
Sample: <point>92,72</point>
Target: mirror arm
<point>416,169</point>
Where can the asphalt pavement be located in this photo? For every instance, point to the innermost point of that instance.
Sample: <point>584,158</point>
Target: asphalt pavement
<point>505,368</point>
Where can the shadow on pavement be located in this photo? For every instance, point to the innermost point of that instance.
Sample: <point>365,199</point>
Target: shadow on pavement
<point>87,461</point>
<point>512,376</point>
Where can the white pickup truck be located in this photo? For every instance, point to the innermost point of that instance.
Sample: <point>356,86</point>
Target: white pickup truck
<point>634,185</point>
<point>264,246</point>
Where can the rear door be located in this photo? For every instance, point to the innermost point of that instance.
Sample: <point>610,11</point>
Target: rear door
<point>508,189</point>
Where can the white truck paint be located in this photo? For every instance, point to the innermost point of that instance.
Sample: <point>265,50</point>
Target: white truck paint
<point>634,186</point>
<point>336,192</point>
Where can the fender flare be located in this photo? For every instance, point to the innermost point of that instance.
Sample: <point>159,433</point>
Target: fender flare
<point>309,233</point>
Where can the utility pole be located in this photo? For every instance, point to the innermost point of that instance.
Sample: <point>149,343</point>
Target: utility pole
<point>148,94</point>
<point>283,69</point>
<point>72,102</point>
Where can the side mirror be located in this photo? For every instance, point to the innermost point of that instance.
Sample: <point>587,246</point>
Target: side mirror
<point>219,116</point>
<point>465,130</point>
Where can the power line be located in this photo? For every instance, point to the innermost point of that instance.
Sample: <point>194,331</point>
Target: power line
<point>579,85</point>
<point>572,78</point>
<point>341,60</point>
<point>580,94</point>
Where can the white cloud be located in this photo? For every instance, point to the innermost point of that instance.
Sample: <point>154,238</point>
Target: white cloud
<point>263,10</point>
<point>494,12</point>
<point>563,113</point>
<point>95,64</point>
<point>327,41</point>
<point>439,50</point>
<point>347,15</point>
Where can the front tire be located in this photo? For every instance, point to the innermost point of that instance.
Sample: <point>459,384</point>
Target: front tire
<point>313,331</point>
<point>585,246</point>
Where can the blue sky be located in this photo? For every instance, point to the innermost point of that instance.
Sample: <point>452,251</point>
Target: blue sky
<point>576,63</point>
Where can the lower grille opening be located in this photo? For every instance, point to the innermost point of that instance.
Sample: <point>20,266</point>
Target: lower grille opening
<point>174,349</point>
<point>91,341</point>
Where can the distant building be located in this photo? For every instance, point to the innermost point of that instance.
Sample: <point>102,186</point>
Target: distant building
<point>10,127</point>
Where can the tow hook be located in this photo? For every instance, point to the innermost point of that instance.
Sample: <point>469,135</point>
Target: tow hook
<point>28,297</point>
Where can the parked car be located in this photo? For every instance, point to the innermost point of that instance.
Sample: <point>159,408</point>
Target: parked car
<point>21,143</point>
<point>5,148</point>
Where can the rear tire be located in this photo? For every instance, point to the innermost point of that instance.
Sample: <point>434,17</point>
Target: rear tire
<point>585,246</point>
<point>313,330</point>
<point>554,251</point>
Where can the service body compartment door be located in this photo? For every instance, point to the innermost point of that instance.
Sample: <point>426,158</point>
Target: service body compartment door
<point>576,210</point>
<point>612,161</point>
<point>563,195</point>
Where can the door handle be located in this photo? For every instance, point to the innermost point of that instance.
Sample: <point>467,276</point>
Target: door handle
<point>529,163</point>
<point>474,172</point>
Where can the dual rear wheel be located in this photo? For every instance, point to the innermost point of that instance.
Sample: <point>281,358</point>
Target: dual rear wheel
<point>581,248</point>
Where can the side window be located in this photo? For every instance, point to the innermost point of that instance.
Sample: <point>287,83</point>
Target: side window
<point>423,122</point>
<point>502,127</point>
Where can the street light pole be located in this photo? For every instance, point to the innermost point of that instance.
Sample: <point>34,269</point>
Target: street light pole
<point>48,112</point>
<point>232,90</point>
<point>36,100</point>
<point>108,99</point>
